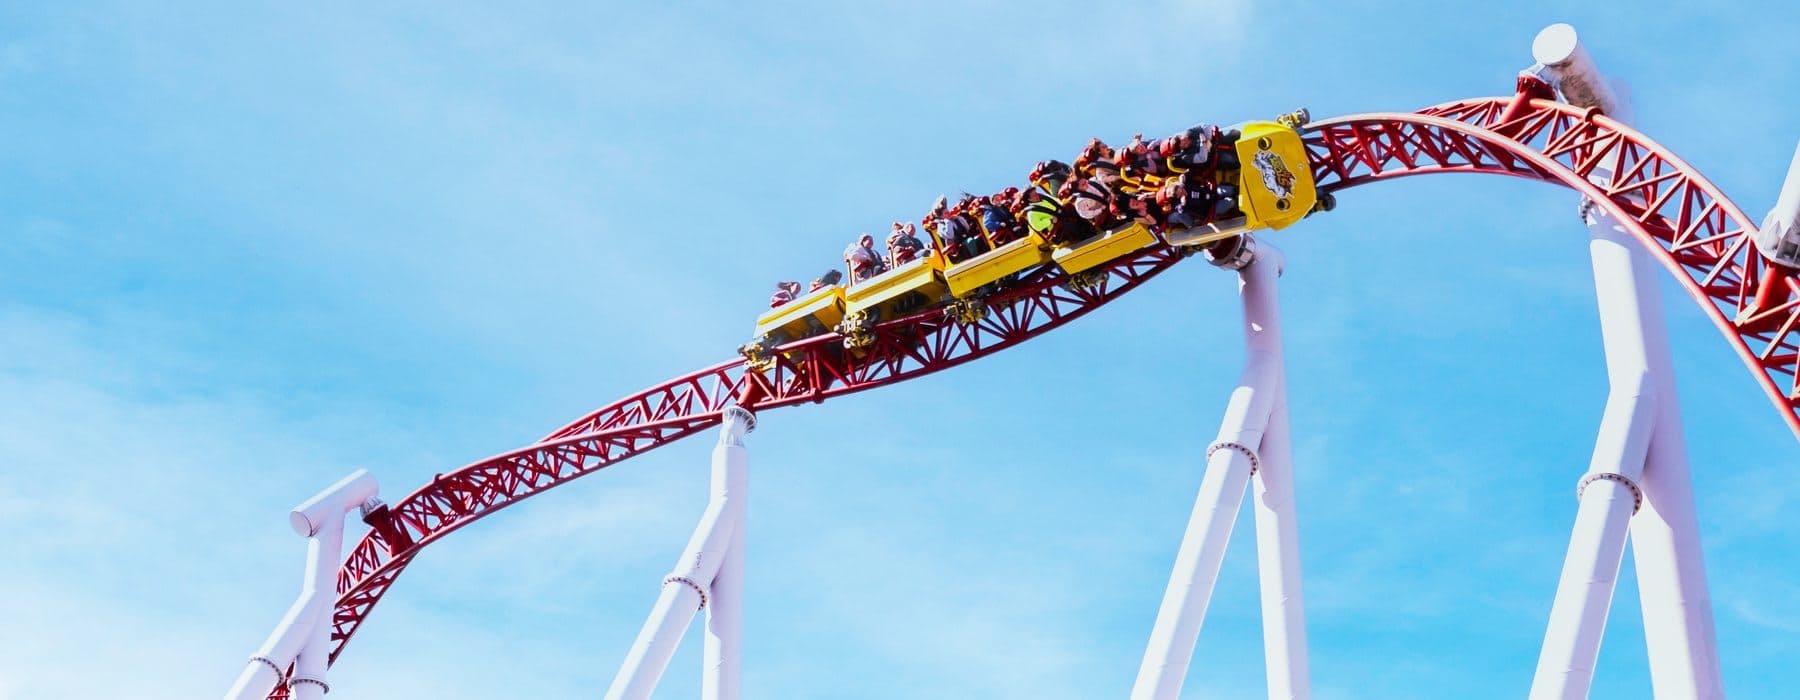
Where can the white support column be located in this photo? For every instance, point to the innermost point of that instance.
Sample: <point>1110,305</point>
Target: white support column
<point>1678,624</point>
<point>308,681</point>
<point>720,679</point>
<point>1665,534</point>
<point>1278,564</point>
<point>688,588</point>
<point>1609,493</point>
<point>1231,460</point>
<point>303,637</point>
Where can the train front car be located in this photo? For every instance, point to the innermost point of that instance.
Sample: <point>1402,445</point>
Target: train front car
<point>1273,178</point>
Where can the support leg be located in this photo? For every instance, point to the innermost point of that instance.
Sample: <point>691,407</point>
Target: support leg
<point>687,588</point>
<point>1230,461</point>
<point>1665,534</point>
<point>1610,492</point>
<point>303,637</point>
<point>308,682</point>
<point>725,617</point>
<point>1278,564</point>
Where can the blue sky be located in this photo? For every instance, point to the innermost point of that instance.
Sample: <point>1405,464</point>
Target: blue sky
<point>244,251</point>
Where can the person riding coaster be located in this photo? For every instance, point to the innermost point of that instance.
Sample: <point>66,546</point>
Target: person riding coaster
<point>1092,201</point>
<point>903,245</point>
<point>1049,175</point>
<point>829,278</point>
<point>1099,162</point>
<point>1202,147</point>
<point>1142,166</point>
<point>997,218</point>
<point>955,230</point>
<point>1192,200</point>
<point>862,259</point>
<point>784,293</point>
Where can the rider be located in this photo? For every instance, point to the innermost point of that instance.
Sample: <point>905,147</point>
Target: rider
<point>1098,161</point>
<point>864,262</point>
<point>828,279</point>
<point>1002,227</point>
<point>903,245</point>
<point>1201,146</point>
<point>1049,176</point>
<point>1192,200</point>
<point>955,230</point>
<point>1091,199</point>
<point>1141,165</point>
<point>784,293</point>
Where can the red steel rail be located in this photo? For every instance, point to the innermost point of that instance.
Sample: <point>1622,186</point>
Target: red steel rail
<point>1693,229</point>
<point>1699,235</point>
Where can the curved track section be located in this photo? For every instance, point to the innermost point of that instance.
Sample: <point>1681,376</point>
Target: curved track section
<point>1699,235</point>
<point>809,370</point>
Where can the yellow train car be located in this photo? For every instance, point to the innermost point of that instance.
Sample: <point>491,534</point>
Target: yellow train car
<point>1109,245</point>
<point>1274,180</point>
<point>809,315</point>
<point>984,269</point>
<point>1275,183</point>
<point>886,295</point>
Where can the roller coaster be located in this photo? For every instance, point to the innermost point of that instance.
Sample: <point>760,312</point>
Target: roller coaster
<point>1561,126</point>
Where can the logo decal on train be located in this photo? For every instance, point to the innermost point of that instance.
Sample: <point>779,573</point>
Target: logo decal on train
<point>1275,173</point>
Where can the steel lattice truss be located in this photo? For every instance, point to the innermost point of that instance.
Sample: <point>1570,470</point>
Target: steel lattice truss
<point>1698,234</point>
<point>809,370</point>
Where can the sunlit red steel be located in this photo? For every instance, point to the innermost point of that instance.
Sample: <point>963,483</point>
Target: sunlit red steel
<point>1699,235</point>
<point>1694,230</point>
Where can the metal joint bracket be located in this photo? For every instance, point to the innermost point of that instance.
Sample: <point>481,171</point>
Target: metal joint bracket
<point>296,680</point>
<point>690,584</point>
<point>1587,205</point>
<point>368,506</point>
<point>1637,494</point>
<point>1245,451</point>
<point>1235,258</point>
<point>742,414</point>
<point>277,669</point>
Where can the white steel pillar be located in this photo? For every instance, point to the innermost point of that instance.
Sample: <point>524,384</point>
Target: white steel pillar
<point>303,637</point>
<point>1639,465</point>
<point>1278,564</point>
<point>725,615</point>
<point>1646,443</point>
<point>1231,460</point>
<point>1609,492</point>
<point>1665,534</point>
<point>690,586</point>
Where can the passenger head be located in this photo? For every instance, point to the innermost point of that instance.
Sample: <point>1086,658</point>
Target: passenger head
<point>866,241</point>
<point>1168,147</point>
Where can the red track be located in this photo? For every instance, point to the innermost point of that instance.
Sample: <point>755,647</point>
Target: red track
<point>1697,234</point>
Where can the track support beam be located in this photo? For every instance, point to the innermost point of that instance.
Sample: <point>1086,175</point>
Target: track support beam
<point>709,575</point>
<point>302,639</point>
<point>1252,441</point>
<point>1639,467</point>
